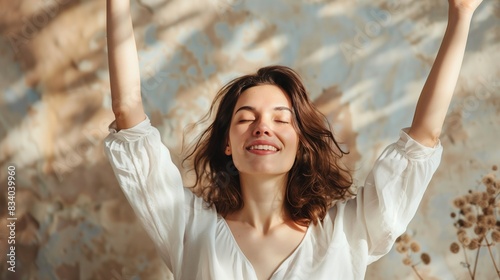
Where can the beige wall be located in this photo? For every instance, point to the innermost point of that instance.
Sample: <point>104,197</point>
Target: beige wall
<point>364,63</point>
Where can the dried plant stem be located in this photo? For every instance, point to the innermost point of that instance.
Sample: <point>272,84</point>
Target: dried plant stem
<point>477,258</point>
<point>416,272</point>
<point>467,262</point>
<point>488,244</point>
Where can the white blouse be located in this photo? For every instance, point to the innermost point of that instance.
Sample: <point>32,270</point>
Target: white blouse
<point>196,243</point>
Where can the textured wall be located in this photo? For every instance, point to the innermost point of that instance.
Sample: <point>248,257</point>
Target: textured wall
<point>364,63</point>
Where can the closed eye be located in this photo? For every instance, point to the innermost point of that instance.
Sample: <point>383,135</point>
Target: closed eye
<point>244,121</point>
<point>280,121</point>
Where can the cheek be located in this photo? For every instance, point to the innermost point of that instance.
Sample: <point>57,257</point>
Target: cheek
<point>235,134</point>
<point>292,138</point>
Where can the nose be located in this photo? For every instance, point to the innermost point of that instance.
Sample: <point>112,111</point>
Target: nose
<point>261,128</point>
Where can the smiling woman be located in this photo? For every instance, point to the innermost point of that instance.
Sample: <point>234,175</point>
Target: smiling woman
<point>268,128</point>
<point>270,108</point>
<point>286,211</point>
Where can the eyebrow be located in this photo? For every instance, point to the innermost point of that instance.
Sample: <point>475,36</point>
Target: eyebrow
<point>252,109</point>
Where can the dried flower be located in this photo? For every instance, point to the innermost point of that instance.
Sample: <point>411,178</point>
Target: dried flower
<point>478,210</point>
<point>426,259</point>
<point>459,202</point>
<point>481,220</point>
<point>467,209</point>
<point>488,180</point>
<point>491,189</point>
<point>491,201</point>
<point>471,218</point>
<point>405,237</point>
<point>454,247</point>
<point>480,230</point>
<point>495,235</point>
<point>491,221</point>
<point>485,196</point>
<point>474,198</point>
<point>488,210</point>
<point>474,244</point>
<point>464,240</point>
<point>404,249</point>
<point>415,247</point>
<point>401,248</point>
<point>467,224</point>
<point>483,203</point>
<point>407,246</point>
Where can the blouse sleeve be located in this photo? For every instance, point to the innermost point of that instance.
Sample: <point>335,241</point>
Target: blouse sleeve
<point>153,186</point>
<point>392,193</point>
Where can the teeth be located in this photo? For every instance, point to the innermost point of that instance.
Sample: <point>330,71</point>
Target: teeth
<point>263,147</point>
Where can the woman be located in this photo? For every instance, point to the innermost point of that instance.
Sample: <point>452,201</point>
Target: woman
<point>273,198</point>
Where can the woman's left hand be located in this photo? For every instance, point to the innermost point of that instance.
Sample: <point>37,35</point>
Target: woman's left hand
<point>465,6</point>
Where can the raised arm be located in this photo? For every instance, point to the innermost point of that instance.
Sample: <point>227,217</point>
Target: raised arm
<point>436,95</point>
<point>124,73</point>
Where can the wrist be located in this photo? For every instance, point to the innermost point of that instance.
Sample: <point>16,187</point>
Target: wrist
<point>459,13</point>
<point>459,16</point>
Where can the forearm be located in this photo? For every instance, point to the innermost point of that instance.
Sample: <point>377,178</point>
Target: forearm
<point>438,90</point>
<point>123,65</point>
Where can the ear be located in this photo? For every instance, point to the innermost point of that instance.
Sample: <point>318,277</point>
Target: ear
<point>228,150</point>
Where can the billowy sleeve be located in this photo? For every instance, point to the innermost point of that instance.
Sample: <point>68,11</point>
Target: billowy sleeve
<point>153,186</point>
<point>392,192</point>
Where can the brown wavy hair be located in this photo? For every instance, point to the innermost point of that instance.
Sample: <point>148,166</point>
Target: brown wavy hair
<point>317,178</point>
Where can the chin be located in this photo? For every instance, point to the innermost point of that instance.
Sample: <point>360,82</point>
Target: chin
<point>263,169</point>
<point>265,172</point>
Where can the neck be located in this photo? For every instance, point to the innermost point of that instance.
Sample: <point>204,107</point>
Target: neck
<point>263,197</point>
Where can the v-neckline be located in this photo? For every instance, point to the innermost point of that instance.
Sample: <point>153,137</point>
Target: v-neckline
<point>242,254</point>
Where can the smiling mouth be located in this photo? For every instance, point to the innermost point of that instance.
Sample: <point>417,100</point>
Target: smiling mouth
<point>263,148</point>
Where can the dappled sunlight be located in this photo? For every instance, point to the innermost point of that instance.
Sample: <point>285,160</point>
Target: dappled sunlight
<point>364,64</point>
